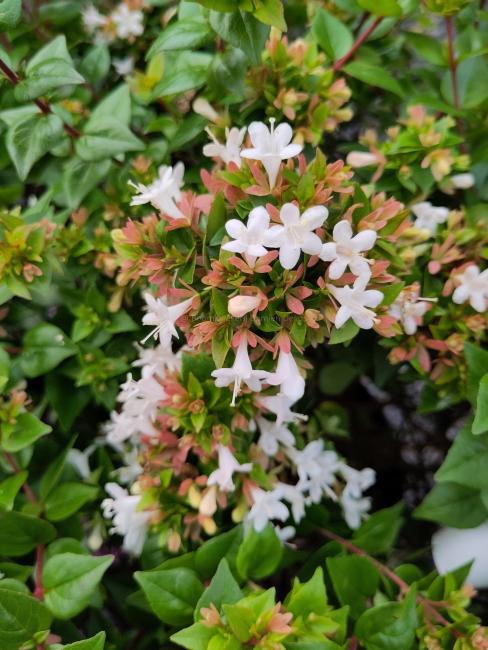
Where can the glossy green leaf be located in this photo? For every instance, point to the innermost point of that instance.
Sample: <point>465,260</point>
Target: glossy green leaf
<point>180,35</point>
<point>333,36</point>
<point>27,430</point>
<point>45,346</point>
<point>259,554</point>
<point>480,424</point>
<point>374,75</point>
<point>450,504</point>
<point>68,498</point>
<point>20,533</point>
<point>241,30</point>
<point>21,617</point>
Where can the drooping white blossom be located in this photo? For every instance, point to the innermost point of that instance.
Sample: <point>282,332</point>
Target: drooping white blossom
<point>287,376</point>
<point>357,480</point>
<point>267,506</point>
<point>316,468</point>
<point>297,233</point>
<point>163,318</point>
<point>92,18</point>
<point>228,465</point>
<point>346,251</point>
<point>127,519</point>
<point>157,360</point>
<point>295,496</point>
<point>272,435</point>
<point>249,240</point>
<point>429,216</point>
<point>354,509</point>
<point>271,146</point>
<point>240,372</point>
<point>462,181</point>
<point>124,67</point>
<point>280,405</point>
<point>408,309</point>
<point>127,22</point>
<point>472,286</point>
<point>356,303</point>
<point>164,192</point>
<point>230,151</point>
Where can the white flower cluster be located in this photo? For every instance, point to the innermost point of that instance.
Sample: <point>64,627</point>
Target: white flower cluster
<point>123,22</point>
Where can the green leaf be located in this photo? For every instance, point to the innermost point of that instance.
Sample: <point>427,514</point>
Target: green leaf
<point>20,534</point>
<point>472,93</point>
<point>9,489</point>
<point>223,588</point>
<point>241,30</point>
<point>354,579</point>
<point>427,47</point>
<point>4,368</point>
<point>450,504</point>
<point>381,7</point>
<point>104,138</point>
<point>29,139</point>
<point>67,400</point>
<point>333,36</point>
<point>10,12</point>
<point>271,12</point>
<point>259,554</point>
<point>172,594</point>
<point>335,377</point>
<point>21,617</point>
<point>209,554</point>
<point>480,424</point>
<point>466,460</point>
<point>55,49</point>
<point>390,626</point>
<point>308,597</point>
<point>190,70</point>
<point>477,360</point>
<point>45,346</point>
<point>53,473</point>
<point>69,581</point>
<point>379,532</point>
<point>116,105</point>
<point>68,498</point>
<point>80,178</point>
<point>195,637</point>
<point>96,642</point>
<point>374,75</point>
<point>46,76</point>
<point>95,65</point>
<point>180,35</point>
<point>345,333</point>
<point>216,217</point>
<point>27,430</point>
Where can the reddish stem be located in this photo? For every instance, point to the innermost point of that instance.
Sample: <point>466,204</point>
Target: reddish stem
<point>27,490</point>
<point>14,79</point>
<point>38,588</point>
<point>427,605</point>
<point>357,44</point>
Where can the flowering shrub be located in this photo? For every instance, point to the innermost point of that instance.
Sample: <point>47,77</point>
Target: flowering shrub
<point>243,271</point>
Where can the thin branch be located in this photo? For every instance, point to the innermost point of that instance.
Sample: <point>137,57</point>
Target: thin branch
<point>452,61</point>
<point>45,108</point>
<point>357,44</point>
<point>26,488</point>
<point>403,586</point>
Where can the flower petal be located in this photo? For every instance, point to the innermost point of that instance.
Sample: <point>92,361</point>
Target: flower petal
<point>342,232</point>
<point>289,256</point>
<point>290,214</point>
<point>364,240</point>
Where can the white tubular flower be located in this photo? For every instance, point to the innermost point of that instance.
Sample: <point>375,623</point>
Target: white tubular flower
<point>287,376</point>
<point>124,67</point>
<point>228,152</point>
<point>354,303</point>
<point>239,306</point>
<point>408,310</point>
<point>429,216</point>
<point>357,481</point>
<point>358,159</point>
<point>157,360</point>
<point>128,22</point>
<point>316,469</point>
<point>163,318</point>
<point>163,192</point>
<point>354,509</point>
<point>345,251</point>
<point>131,468</point>
<point>296,234</point>
<point>241,371</point>
<point>228,465</point>
<point>272,435</point>
<point>248,240</point>
<point>472,287</point>
<point>462,181</point>
<point>280,405</point>
<point>271,146</point>
<point>295,496</point>
<point>127,520</point>
<point>120,427</point>
<point>267,505</point>
<point>92,18</point>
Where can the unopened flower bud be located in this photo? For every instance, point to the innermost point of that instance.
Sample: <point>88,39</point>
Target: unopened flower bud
<point>239,306</point>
